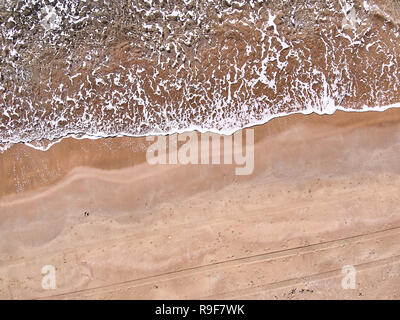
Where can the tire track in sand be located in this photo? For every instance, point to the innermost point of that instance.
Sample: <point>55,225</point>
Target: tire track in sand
<point>190,272</point>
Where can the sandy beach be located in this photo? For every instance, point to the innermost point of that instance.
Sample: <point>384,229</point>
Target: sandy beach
<point>323,195</point>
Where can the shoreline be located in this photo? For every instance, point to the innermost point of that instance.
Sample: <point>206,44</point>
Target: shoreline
<point>81,136</point>
<point>133,148</point>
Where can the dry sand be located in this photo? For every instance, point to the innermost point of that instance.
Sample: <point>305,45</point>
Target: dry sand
<point>324,194</point>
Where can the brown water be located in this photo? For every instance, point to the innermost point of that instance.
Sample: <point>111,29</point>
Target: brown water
<point>155,67</point>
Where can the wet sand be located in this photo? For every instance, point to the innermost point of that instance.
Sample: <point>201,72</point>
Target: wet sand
<point>323,194</point>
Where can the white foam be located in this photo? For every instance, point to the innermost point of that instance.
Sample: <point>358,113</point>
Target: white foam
<point>331,109</point>
<point>124,99</point>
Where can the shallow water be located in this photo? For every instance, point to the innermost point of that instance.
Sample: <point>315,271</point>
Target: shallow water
<point>97,69</point>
